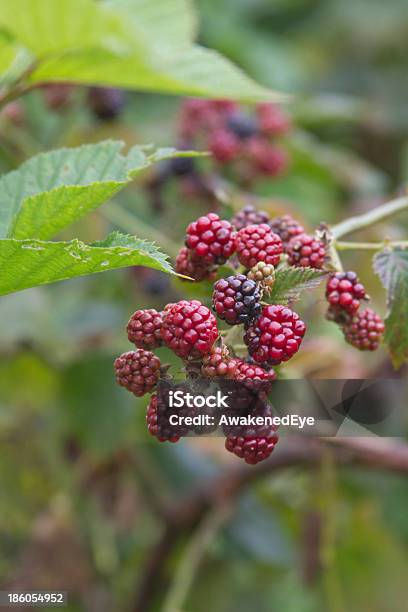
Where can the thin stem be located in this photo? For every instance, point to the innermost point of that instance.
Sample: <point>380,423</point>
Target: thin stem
<point>192,557</point>
<point>373,216</point>
<point>334,257</point>
<point>329,533</point>
<point>370,246</point>
<point>129,223</point>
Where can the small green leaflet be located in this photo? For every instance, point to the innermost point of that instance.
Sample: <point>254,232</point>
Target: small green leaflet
<point>28,263</point>
<point>391,265</point>
<point>290,282</point>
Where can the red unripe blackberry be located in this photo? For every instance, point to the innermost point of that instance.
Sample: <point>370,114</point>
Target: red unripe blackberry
<point>306,251</point>
<point>286,227</point>
<point>224,145</point>
<point>273,121</point>
<point>155,426</point>
<point>195,113</point>
<point>252,375</point>
<point>266,158</point>
<point>236,299</point>
<point>344,292</point>
<point>193,268</point>
<point>258,243</point>
<point>137,371</point>
<point>275,336</point>
<point>189,329</point>
<point>252,449</point>
<point>224,105</point>
<point>144,327</point>
<point>210,240</point>
<point>364,330</point>
<point>249,215</point>
<point>218,364</point>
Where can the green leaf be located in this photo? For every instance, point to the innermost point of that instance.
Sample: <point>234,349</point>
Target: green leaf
<point>391,265</point>
<point>290,282</point>
<point>195,71</point>
<point>169,22</point>
<point>140,45</point>
<point>46,26</point>
<point>28,263</point>
<point>51,190</point>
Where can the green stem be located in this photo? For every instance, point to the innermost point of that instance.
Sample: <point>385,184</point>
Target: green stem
<point>133,225</point>
<point>194,552</point>
<point>329,504</point>
<point>370,246</point>
<point>373,216</point>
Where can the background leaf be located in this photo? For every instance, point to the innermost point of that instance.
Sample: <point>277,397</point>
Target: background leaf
<point>290,282</point>
<point>51,190</point>
<point>28,263</point>
<point>391,265</point>
<point>142,45</point>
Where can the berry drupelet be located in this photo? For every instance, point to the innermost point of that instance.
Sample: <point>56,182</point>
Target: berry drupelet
<point>144,327</point>
<point>344,293</point>
<point>249,215</point>
<point>306,251</point>
<point>286,227</point>
<point>210,240</point>
<point>364,331</point>
<point>275,336</point>
<point>258,243</point>
<point>236,299</point>
<point>137,371</point>
<point>189,329</point>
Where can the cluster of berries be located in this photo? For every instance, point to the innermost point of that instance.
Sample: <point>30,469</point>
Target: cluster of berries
<point>253,237</point>
<point>190,330</point>
<point>235,135</point>
<point>362,329</point>
<point>272,333</point>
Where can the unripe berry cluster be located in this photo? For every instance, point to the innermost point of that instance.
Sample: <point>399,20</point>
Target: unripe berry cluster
<point>237,135</point>
<point>272,333</point>
<point>363,329</point>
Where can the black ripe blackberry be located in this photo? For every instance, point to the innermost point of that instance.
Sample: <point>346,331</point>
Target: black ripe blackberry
<point>236,299</point>
<point>242,125</point>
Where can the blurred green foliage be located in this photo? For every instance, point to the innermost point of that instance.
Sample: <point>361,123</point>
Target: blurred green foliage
<point>66,430</point>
